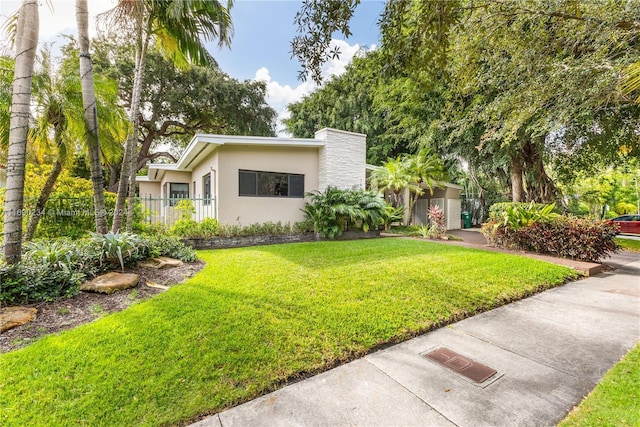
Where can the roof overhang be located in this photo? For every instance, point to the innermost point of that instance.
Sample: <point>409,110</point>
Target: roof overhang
<point>202,145</point>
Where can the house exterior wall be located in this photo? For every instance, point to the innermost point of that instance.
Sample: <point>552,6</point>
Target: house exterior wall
<point>342,160</point>
<point>245,210</point>
<point>448,199</point>
<point>149,189</point>
<point>206,209</point>
<point>175,176</point>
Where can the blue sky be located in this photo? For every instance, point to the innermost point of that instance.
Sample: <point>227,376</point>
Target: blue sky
<point>264,28</point>
<point>260,47</point>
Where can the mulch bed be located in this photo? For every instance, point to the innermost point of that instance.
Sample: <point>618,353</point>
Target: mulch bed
<point>67,313</point>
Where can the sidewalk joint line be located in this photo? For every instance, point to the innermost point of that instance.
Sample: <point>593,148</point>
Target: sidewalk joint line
<point>410,392</point>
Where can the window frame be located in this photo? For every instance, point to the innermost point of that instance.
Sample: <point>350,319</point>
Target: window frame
<point>256,185</point>
<point>206,189</point>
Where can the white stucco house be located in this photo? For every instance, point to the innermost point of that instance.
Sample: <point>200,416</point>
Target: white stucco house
<point>248,179</point>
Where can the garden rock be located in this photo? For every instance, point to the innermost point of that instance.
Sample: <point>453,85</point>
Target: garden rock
<point>10,317</point>
<point>160,262</point>
<point>111,282</point>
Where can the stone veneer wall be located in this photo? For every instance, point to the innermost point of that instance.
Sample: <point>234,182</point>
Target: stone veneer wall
<point>243,241</point>
<point>342,160</point>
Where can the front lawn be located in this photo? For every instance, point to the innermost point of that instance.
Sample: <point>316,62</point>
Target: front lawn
<point>628,244</point>
<point>616,399</point>
<point>252,319</point>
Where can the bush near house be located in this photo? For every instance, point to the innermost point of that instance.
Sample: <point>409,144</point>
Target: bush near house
<point>539,229</point>
<point>498,210</point>
<point>51,269</point>
<point>335,211</point>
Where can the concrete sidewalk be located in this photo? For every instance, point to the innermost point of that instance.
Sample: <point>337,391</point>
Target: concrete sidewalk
<point>549,351</point>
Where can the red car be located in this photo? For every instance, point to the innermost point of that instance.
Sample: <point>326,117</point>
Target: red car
<point>629,224</point>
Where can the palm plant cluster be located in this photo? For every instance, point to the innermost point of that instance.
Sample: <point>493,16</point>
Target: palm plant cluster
<point>334,211</point>
<point>407,177</point>
<point>68,123</point>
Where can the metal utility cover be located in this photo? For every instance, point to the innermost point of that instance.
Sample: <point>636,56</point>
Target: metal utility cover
<point>471,369</point>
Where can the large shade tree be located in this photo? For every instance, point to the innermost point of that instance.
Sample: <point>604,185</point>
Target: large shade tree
<point>177,28</point>
<point>528,82</point>
<point>26,44</point>
<point>177,103</point>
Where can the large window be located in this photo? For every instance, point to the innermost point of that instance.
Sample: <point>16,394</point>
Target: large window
<point>206,189</point>
<point>271,184</point>
<point>177,190</point>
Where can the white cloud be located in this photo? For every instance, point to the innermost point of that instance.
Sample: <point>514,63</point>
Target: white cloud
<point>279,96</point>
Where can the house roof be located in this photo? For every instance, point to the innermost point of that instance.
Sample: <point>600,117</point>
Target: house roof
<point>201,145</point>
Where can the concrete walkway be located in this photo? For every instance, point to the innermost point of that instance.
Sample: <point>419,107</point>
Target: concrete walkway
<point>549,351</point>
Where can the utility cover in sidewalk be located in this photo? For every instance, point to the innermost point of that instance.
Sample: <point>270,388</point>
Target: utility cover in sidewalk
<point>471,369</point>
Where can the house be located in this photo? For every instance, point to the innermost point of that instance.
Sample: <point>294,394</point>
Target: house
<point>248,179</point>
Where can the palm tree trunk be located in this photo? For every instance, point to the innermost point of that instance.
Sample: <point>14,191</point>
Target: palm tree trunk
<point>91,116</point>
<point>128,172</point>
<point>26,45</point>
<point>42,200</point>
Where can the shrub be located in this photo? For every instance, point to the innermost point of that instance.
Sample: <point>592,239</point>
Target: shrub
<point>185,228</point>
<point>438,222</point>
<point>497,210</point>
<point>171,246</point>
<point>566,237</point>
<point>624,208</point>
<point>118,246</point>
<point>48,270</point>
<point>333,211</point>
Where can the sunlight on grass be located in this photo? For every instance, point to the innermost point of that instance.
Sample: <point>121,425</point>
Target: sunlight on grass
<point>253,318</point>
<point>616,399</point>
<point>628,244</point>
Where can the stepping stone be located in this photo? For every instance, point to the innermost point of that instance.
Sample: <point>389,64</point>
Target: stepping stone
<point>156,285</point>
<point>160,262</point>
<point>10,317</point>
<point>111,282</point>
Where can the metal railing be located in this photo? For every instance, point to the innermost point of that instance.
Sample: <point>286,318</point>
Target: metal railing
<point>168,210</point>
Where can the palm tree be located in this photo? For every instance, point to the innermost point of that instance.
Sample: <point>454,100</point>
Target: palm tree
<point>176,27</point>
<point>27,27</point>
<point>408,173</point>
<point>91,116</point>
<point>60,112</point>
<point>426,170</point>
<point>393,176</point>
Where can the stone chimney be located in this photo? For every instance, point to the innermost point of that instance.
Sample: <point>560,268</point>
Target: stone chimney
<point>342,159</point>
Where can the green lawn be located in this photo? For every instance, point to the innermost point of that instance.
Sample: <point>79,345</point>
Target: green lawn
<point>628,244</point>
<point>616,399</point>
<point>251,320</point>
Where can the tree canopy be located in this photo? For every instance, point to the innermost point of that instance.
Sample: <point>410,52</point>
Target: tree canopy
<point>527,92</point>
<point>177,103</point>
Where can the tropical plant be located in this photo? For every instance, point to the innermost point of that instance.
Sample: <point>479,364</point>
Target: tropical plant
<point>567,237</point>
<point>437,222</point>
<point>91,116</point>
<point>411,173</point>
<point>333,211</point>
<point>176,27</point>
<point>117,246</point>
<point>59,129</point>
<point>516,216</point>
<point>26,36</point>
